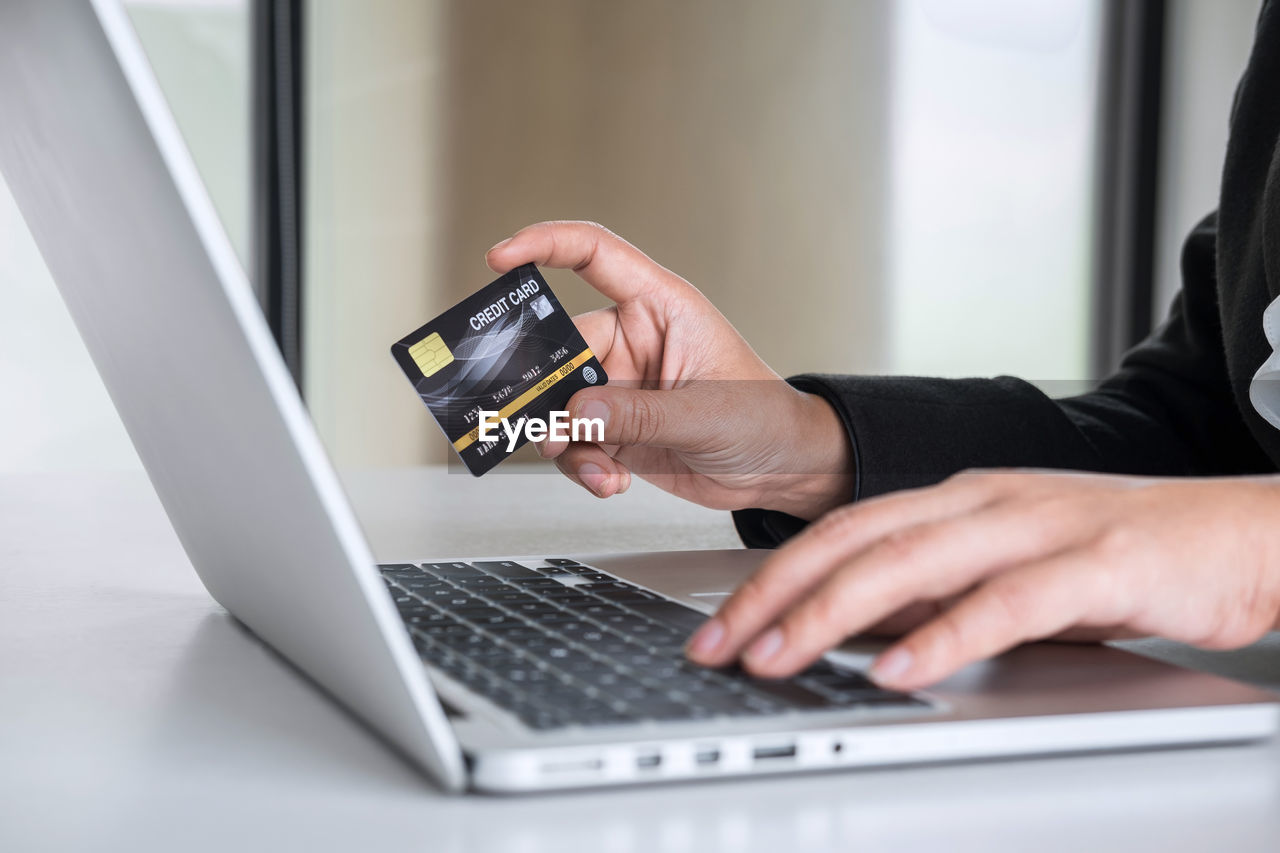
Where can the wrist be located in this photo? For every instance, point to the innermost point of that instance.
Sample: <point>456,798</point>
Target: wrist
<point>819,472</point>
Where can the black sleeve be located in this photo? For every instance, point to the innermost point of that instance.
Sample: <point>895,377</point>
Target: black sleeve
<point>1168,410</point>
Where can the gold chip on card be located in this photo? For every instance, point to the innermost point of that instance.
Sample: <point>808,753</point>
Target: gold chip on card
<point>430,354</point>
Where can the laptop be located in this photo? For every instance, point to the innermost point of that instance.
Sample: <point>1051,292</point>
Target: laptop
<point>495,674</point>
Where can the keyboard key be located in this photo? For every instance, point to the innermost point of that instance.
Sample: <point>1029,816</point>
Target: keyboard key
<point>578,632</point>
<point>439,597</point>
<point>481,613</point>
<point>561,561</point>
<point>560,592</point>
<point>596,712</point>
<point>650,632</point>
<point>489,654</point>
<point>426,616</point>
<point>422,584</point>
<point>505,597</point>
<point>462,641</point>
<point>725,706</point>
<point>585,669</point>
<point>554,572</point>
<point>607,585</point>
<point>516,632</point>
<point>442,629</point>
<point>506,569</point>
<point>482,584</point>
<point>627,596</point>
<point>620,621</point>
<point>538,582</point>
<point>551,617</point>
<point>596,609</point>
<point>638,660</point>
<point>532,607</point>
<point>399,569</point>
<point>574,600</point>
<point>452,570</point>
<point>573,626</point>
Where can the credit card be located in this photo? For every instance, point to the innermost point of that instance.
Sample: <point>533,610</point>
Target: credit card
<point>508,348</point>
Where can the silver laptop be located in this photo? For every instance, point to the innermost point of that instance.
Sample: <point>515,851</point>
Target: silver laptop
<point>493,674</point>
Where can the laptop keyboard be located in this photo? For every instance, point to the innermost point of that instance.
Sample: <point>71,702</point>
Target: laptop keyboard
<point>566,644</point>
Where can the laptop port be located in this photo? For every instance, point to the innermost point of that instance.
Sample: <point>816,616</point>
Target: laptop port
<point>771,753</point>
<point>707,755</point>
<point>648,760</point>
<point>579,765</point>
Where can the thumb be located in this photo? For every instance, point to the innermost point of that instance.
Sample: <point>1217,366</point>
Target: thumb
<point>678,419</point>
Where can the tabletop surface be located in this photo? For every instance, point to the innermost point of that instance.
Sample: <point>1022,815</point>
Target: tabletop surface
<point>135,714</point>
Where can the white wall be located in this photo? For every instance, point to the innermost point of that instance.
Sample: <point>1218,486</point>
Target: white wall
<point>994,127</point>
<point>54,412</point>
<point>373,220</point>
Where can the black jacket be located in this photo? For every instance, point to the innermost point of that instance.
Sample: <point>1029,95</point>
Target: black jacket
<point>1178,405</point>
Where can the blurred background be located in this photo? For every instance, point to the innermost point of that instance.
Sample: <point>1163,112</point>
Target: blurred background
<point>947,187</point>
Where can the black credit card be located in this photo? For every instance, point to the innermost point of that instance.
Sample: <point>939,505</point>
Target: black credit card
<point>508,348</point>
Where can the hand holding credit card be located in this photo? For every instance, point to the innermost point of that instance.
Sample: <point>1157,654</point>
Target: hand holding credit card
<point>509,348</point>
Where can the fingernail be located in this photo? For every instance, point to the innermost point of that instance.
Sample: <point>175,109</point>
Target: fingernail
<point>595,409</point>
<point>593,476</point>
<point>706,639</point>
<point>541,447</point>
<point>766,646</point>
<point>499,245</point>
<point>890,667</point>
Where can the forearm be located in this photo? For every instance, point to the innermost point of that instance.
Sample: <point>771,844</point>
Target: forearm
<point>884,434</point>
<point>823,464</point>
<point>908,432</point>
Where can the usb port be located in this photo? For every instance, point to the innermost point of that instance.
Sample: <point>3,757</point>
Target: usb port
<point>766,753</point>
<point>573,765</point>
<point>709,755</point>
<point>648,760</point>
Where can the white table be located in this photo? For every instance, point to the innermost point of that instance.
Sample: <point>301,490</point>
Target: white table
<point>134,714</point>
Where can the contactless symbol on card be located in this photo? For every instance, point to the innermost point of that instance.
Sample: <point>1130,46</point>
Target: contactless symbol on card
<point>510,347</point>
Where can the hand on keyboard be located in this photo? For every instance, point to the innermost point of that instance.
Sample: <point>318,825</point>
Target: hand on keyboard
<point>566,644</point>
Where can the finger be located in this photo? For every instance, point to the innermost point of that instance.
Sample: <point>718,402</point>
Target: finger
<point>598,329</point>
<point>677,419</point>
<point>551,448</point>
<point>928,561</point>
<point>1031,603</point>
<point>800,564</point>
<point>604,260</point>
<point>593,469</point>
<point>906,619</point>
